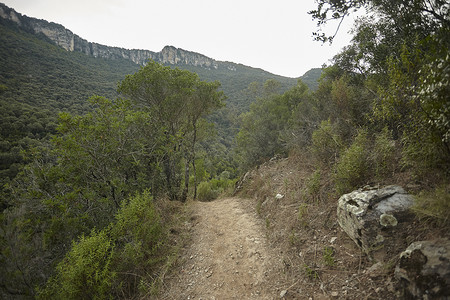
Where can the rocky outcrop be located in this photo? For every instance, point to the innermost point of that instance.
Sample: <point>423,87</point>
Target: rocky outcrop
<point>69,41</point>
<point>375,219</point>
<point>424,270</point>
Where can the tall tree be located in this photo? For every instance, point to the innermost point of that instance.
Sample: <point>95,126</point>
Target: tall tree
<point>204,100</point>
<point>176,99</point>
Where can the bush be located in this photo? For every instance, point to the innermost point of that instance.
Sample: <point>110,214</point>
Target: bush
<point>140,239</point>
<point>384,154</point>
<point>326,144</point>
<point>434,206</point>
<point>312,185</point>
<point>205,192</point>
<point>86,271</point>
<point>353,168</point>
<point>118,261</point>
<point>424,152</point>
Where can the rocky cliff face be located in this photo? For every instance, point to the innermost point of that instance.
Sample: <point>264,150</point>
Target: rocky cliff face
<point>66,39</point>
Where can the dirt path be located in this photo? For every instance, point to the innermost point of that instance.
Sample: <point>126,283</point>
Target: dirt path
<point>229,257</point>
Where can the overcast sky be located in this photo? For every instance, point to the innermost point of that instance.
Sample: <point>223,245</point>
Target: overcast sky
<point>272,35</point>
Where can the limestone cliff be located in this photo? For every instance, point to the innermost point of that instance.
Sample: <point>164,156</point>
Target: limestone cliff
<point>66,39</point>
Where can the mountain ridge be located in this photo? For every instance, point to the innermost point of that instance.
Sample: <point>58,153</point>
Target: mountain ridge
<point>70,41</point>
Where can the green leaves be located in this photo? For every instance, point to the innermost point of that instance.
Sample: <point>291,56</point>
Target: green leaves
<point>115,261</point>
<point>265,127</point>
<point>177,101</point>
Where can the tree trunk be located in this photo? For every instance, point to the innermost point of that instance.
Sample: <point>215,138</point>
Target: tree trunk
<point>186,178</point>
<point>194,126</point>
<point>195,176</point>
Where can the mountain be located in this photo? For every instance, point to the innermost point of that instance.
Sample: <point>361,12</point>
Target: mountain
<point>46,69</point>
<point>169,55</point>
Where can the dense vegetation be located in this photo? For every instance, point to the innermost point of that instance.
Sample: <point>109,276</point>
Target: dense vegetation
<point>84,194</point>
<point>38,80</point>
<point>87,195</point>
<point>381,110</point>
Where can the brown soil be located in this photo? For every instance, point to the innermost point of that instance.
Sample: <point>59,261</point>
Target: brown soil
<point>260,247</point>
<point>229,257</point>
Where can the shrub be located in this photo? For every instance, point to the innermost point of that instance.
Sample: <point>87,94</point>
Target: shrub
<point>86,271</point>
<point>325,143</point>
<point>328,256</point>
<point>205,192</point>
<point>140,238</point>
<point>434,206</point>
<point>424,152</point>
<point>352,169</point>
<point>383,154</point>
<point>118,261</point>
<point>312,187</point>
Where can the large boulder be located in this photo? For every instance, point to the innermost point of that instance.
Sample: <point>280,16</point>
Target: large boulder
<point>375,219</point>
<point>424,270</point>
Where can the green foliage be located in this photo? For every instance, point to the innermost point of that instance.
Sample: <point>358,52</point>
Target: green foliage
<point>206,192</point>
<point>328,256</point>
<point>138,224</point>
<point>352,169</point>
<point>86,272</point>
<point>326,144</point>
<point>310,273</point>
<point>384,154</point>
<point>434,205</point>
<point>312,185</point>
<point>38,80</point>
<point>177,101</point>
<point>141,238</point>
<point>263,128</point>
<point>116,261</point>
<point>415,102</point>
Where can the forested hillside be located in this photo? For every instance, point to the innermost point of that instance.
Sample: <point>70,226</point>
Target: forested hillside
<point>380,113</point>
<point>39,79</point>
<point>79,165</point>
<point>87,186</point>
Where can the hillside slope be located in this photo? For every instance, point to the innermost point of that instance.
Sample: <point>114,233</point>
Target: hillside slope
<point>46,69</point>
<point>317,257</point>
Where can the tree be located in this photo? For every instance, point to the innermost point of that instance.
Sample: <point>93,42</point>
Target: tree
<point>73,185</point>
<point>263,132</point>
<point>405,16</point>
<point>163,92</point>
<point>204,100</point>
<point>176,101</point>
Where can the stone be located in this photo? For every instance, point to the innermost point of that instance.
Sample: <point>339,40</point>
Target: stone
<point>424,270</point>
<point>283,293</point>
<point>242,181</point>
<point>375,270</point>
<point>372,216</point>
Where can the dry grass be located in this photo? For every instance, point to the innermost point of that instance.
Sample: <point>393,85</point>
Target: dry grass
<point>317,256</point>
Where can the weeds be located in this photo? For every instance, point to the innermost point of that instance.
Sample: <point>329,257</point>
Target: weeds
<point>328,256</point>
<point>267,223</point>
<point>258,207</point>
<point>434,206</point>
<point>293,238</point>
<point>310,272</point>
<point>312,189</point>
<point>302,211</point>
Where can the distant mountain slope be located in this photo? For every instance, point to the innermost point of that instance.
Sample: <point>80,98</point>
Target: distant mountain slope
<point>46,69</point>
<point>234,77</point>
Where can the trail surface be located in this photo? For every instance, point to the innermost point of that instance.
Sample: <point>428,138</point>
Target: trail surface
<point>229,257</point>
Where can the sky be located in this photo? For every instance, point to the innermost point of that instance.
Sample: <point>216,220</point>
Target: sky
<point>272,35</point>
